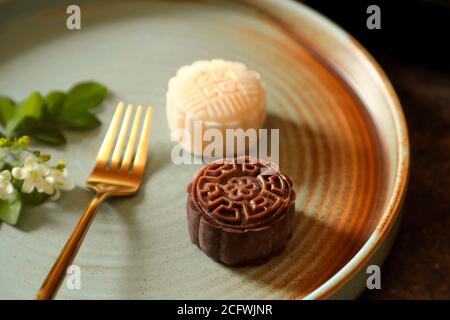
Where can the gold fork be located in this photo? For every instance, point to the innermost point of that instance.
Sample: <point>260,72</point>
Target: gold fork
<point>116,173</point>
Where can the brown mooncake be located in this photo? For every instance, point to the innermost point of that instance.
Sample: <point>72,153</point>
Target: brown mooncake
<point>237,214</point>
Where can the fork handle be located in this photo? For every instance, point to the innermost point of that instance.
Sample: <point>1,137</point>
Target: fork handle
<point>58,271</point>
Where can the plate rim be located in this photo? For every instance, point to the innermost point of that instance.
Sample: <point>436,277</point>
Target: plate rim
<point>392,211</point>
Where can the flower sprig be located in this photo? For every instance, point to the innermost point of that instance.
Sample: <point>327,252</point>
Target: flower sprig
<point>27,176</point>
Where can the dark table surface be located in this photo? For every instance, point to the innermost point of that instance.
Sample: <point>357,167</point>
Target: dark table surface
<point>411,48</point>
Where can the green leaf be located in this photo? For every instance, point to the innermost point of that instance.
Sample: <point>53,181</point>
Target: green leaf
<point>41,118</point>
<point>82,97</point>
<point>55,101</point>
<point>10,208</point>
<point>42,131</point>
<point>35,198</point>
<point>7,107</point>
<point>31,108</point>
<point>46,133</point>
<point>54,137</point>
<point>82,121</point>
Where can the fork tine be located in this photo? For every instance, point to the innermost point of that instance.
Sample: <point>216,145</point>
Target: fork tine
<point>141,154</point>
<point>129,152</point>
<point>108,142</point>
<point>117,154</point>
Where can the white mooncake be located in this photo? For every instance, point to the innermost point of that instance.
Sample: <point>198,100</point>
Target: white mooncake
<point>215,94</point>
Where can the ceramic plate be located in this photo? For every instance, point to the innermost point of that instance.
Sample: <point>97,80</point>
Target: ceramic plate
<point>342,139</point>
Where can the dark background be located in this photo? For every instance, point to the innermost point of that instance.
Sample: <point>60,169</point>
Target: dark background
<point>413,47</point>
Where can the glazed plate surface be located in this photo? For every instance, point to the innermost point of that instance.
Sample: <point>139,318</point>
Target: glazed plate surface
<point>342,139</point>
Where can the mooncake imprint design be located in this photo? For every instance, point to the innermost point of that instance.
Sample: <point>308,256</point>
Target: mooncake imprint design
<point>231,204</point>
<point>236,199</point>
<point>221,94</point>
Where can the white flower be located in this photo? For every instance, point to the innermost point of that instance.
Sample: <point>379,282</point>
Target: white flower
<point>58,178</point>
<point>6,187</point>
<point>33,175</point>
